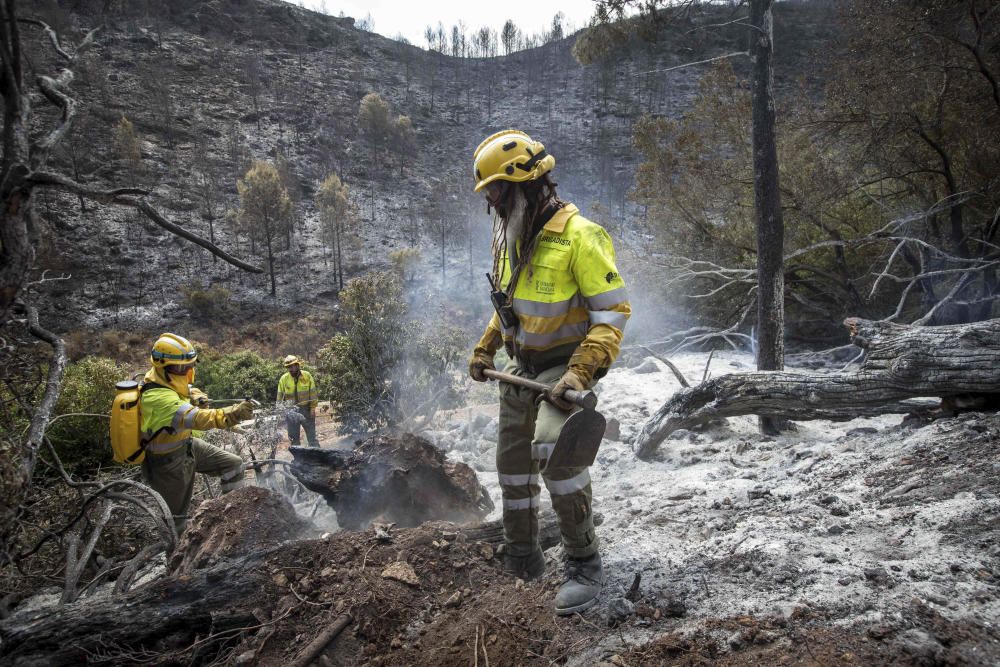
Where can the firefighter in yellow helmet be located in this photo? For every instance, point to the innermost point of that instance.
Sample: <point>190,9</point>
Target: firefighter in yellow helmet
<point>171,409</point>
<point>297,389</point>
<point>562,309</point>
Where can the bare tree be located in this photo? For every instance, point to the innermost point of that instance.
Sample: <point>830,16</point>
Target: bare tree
<point>441,211</point>
<point>252,78</point>
<point>333,202</point>
<point>508,36</point>
<point>290,181</point>
<point>556,33</point>
<point>207,186</point>
<point>404,140</point>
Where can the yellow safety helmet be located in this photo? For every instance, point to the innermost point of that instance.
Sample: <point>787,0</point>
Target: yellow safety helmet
<point>510,155</point>
<point>291,360</point>
<point>172,350</point>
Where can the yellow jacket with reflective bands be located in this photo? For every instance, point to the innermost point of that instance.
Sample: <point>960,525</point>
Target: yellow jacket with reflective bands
<point>301,390</point>
<point>571,303</point>
<point>168,418</point>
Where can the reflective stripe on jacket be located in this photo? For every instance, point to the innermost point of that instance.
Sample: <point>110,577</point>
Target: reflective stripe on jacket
<point>571,303</point>
<point>302,390</point>
<point>168,418</point>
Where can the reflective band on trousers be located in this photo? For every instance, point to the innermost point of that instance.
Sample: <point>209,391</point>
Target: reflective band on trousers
<point>606,300</point>
<point>542,450</point>
<point>518,480</point>
<point>520,503</point>
<point>564,487</point>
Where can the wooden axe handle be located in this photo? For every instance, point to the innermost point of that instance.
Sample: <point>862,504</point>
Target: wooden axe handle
<point>585,399</point>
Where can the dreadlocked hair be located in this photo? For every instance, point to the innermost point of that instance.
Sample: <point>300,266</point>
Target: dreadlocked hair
<point>539,195</point>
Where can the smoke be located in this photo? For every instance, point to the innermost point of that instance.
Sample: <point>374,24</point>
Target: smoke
<point>259,442</point>
<point>657,310</point>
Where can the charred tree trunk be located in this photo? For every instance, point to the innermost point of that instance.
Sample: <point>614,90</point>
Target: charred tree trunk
<point>902,362</point>
<point>767,200</point>
<point>167,614</point>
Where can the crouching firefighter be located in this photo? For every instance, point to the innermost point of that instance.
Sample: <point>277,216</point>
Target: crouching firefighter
<point>171,408</point>
<point>561,307</point>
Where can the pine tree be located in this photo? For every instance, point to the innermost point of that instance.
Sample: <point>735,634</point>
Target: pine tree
<point>265,208</point>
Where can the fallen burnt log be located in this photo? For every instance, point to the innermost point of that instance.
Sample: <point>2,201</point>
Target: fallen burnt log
<point>958,363</point>
<point>403,480</point>
<point>231,589</point>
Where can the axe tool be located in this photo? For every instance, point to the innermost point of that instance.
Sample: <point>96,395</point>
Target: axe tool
<point>581,434</point>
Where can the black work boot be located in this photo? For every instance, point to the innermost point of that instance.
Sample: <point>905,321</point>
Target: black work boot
<point>527,567</point>
<point>584,579</point>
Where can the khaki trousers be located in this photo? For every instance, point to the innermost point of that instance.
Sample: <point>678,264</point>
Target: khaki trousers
<point>308,424</point>
<point>172,475</point>
<point>527,434</point>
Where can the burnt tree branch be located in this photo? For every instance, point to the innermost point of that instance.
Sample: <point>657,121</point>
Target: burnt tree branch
<point>134,198</point>
<point>10,503</point>
<point>902,363</point>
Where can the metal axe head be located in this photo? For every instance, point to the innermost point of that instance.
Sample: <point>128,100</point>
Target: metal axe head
<point>578,441</point>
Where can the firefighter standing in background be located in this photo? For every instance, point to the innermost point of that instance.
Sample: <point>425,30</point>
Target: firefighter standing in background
<point>171,408</point>
<point>298,388</point>
<point>564,307</point>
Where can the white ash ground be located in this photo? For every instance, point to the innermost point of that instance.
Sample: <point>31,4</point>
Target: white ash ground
<point>853,520</point>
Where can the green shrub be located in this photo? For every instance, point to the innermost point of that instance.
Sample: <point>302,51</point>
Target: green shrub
<point>357,364</point>
<point>239,375</point>
<point>206,303</point>
<point>384,369</point>
<point>404,263</point>
<point>425,378</point>
<point>89,387</point>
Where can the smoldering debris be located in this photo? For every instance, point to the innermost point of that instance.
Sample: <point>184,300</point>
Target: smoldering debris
<point>403,480</point>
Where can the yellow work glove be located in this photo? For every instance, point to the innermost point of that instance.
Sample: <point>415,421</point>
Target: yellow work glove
<point>239,412</point>
<point>569,380</point>
<point>198,397</point>
<point>479,363</point>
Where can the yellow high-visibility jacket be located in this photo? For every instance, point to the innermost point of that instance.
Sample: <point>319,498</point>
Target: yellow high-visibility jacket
<point>571,303</point>
<point>168,418</point>
<point>301,390</point>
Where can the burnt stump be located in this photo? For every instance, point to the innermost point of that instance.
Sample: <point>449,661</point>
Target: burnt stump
<point>392,479</point>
